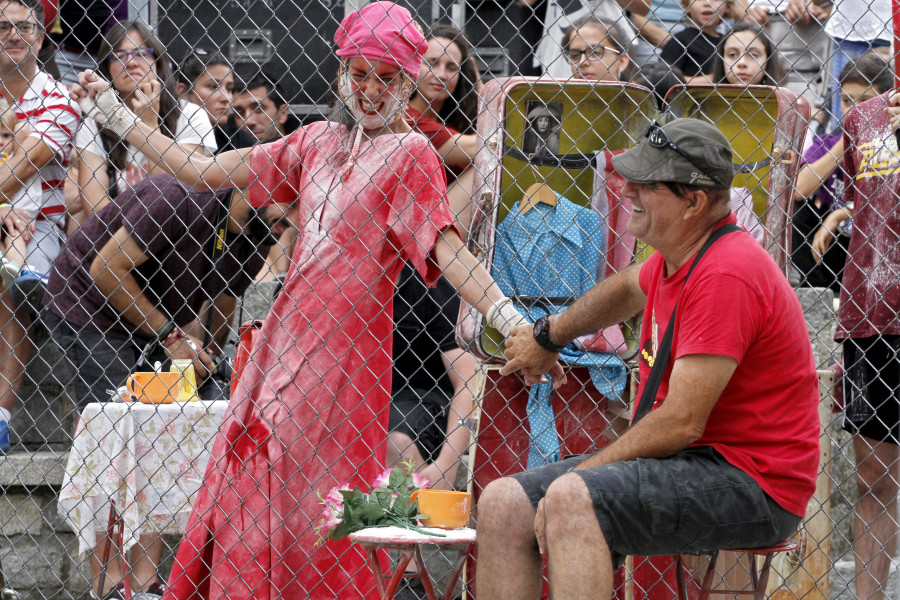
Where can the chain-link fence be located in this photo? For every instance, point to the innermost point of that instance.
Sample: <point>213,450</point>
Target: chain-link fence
<point>265,230</point>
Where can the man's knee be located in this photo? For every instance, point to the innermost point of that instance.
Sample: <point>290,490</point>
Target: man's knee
<point>567,503</point>
<point>505,505</point>
<point>568,493</point>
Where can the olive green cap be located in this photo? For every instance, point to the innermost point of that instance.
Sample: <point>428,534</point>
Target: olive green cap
<point>709,162</point>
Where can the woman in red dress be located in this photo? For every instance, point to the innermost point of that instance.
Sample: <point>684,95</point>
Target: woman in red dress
<point>311,408</point>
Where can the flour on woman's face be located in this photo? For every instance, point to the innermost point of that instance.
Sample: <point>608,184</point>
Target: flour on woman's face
<point>376,94</point>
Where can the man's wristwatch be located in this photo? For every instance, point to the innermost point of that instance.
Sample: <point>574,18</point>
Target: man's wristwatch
<point>542,335</point>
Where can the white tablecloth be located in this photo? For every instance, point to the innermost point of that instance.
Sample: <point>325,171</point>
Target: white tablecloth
<point>149,458</point>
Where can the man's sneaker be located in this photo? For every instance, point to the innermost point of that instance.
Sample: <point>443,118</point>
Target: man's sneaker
<point>9,270</point>
<point>27,290</point>
<point>4,437</point>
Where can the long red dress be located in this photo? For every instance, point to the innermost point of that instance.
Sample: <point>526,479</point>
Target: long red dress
<point>311,408</point>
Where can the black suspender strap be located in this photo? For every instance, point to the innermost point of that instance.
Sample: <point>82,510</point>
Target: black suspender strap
<point>648,396</point>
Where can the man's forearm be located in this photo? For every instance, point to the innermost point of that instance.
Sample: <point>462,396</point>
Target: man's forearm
<point>611,301</point>
<point>655,436</point>
<point>124,294</point>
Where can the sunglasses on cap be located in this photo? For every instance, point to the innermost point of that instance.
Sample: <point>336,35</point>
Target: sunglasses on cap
<point>657,138</point>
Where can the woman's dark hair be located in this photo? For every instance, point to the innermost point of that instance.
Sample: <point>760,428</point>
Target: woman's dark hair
<point>196,64</point>
<point>169,110</point>
<point>870,70</point>
<point>773,71</point>
<point>613,32</point>
<point>460,111</point>
<point>660,78</point>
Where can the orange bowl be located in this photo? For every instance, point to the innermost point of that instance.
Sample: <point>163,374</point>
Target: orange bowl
<point>154,388</point>
<point>445,509</point>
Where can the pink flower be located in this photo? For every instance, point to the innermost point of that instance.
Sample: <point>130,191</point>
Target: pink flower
<point>334,497</point>
<point>420,481</point>
<point>382,480</point>
<point>330,520</point>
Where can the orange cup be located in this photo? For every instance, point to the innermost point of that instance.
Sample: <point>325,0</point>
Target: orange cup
<point>445,509</point>
<point>154,388</point>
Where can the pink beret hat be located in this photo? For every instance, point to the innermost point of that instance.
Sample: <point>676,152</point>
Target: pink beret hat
<point>382,31</point>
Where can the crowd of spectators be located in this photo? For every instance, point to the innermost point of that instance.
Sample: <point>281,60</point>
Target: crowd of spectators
<point>62,178</point>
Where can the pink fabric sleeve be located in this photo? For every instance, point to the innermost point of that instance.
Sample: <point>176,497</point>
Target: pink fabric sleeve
<point>419,211</point>
<point>275,170</point>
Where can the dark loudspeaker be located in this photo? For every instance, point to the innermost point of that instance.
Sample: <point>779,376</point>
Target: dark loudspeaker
<point>288,40</point>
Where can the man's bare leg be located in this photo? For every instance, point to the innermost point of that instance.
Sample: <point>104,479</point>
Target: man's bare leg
<point>875,527</point>
<point>509,564</point>
<point>578,555</point>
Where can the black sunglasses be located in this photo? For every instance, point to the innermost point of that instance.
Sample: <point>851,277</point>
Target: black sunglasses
<point>658,139</point>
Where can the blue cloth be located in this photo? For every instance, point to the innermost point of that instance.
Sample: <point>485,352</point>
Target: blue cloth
<point>554,251</point>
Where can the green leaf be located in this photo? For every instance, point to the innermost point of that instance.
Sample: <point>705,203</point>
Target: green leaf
<point>398,479</point>
<point>373,513</point>
<point>344,529</point>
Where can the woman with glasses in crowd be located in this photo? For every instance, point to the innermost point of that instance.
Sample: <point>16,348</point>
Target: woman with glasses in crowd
<point>310,409</point>
<point>597,50</point>
<point>135,62</point>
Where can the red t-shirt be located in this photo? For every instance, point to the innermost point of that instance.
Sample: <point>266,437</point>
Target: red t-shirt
<point>438,134</point>
<point>737,303</point>
<point>870,290</point>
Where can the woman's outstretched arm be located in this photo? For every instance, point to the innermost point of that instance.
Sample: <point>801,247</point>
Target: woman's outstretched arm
<point>99,101</point>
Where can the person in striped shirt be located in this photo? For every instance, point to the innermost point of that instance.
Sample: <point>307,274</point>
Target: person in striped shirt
<point>45,106</point>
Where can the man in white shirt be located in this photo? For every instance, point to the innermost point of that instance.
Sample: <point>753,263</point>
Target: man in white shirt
<point>45,105</point>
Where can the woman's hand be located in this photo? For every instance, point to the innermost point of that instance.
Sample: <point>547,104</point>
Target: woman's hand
<point>145,100</point>
<point>101,103</point>
<point>89,85</point>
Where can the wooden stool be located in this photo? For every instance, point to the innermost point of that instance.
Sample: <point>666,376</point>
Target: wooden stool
<point>759,577</point>
<point>409,543</point>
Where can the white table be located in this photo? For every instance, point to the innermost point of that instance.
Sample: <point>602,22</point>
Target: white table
<point>409,543</point>
<point>150,459</point>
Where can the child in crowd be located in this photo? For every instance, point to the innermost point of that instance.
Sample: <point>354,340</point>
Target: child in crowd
<point>746,56</point>
<point>693,50</point>
<point>820,215</point>
<point>27,201</point>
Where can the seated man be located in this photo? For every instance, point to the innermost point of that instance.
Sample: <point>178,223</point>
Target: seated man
<point>729,456</point>
<point>131,277</point>
<point>136,275</point>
